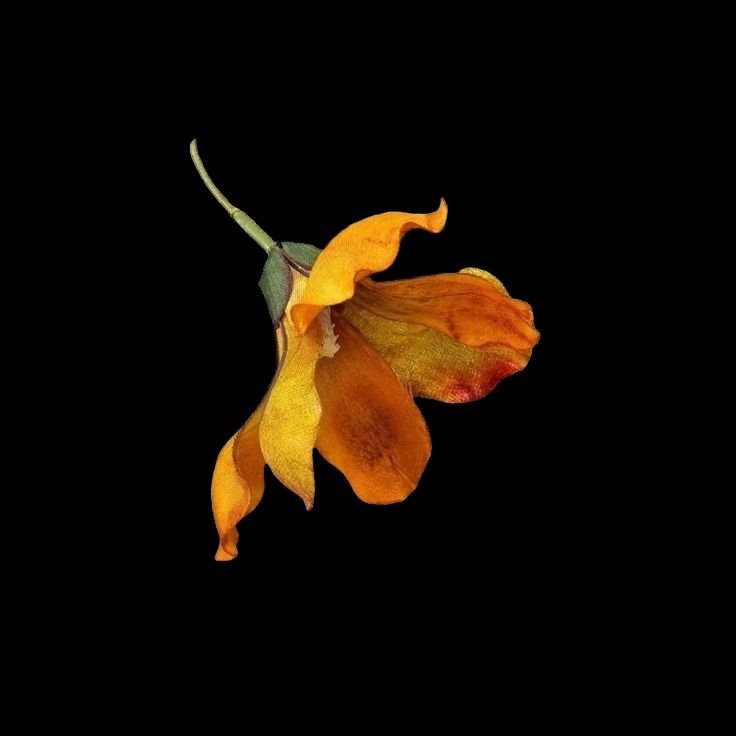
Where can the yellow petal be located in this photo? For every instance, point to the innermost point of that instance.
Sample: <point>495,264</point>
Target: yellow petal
<point>371,430</point>
<point>292,413</point>
<point>364,248</point>
<point>463,306</point>
<point>489,277</point>
<point>237,484</point>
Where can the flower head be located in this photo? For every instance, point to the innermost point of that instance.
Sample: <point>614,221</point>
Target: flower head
<point>352,355</point>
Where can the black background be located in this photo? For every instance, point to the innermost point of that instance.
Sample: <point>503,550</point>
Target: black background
<point>515,562</point>
<point>501,506</point>
<point>517,554</point>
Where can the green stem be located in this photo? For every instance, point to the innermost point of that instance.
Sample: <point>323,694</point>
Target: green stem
<point>247,223</point>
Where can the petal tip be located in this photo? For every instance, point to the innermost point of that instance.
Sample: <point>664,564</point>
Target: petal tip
<point>222,555</point>
<point>438,218</point>
<point>302,317</point>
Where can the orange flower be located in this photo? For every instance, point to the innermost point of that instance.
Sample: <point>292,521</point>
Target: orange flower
<point>352,354</point>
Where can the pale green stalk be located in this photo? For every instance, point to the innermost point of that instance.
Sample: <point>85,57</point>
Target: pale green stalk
<point>247,223</point>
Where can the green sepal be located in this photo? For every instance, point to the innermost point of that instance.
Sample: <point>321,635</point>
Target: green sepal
<point>302,254</point>
<point>276,283</point>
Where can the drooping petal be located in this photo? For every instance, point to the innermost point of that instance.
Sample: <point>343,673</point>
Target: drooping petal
<point>428,361</point>
<point>364,248</point>
<point>237,484</point>
<point>432,365</point>
<point>371,430</point>
<point>292,412</point>
<point>469,309</point>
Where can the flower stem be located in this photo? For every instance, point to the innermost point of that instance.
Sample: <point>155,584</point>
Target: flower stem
<point>247,223</point>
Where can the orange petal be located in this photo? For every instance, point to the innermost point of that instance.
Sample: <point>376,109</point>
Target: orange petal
<point>237,484</point>
<point>366,247</point>
<point>370,430</point>
<point>432,365</point>
<point>463,306</point>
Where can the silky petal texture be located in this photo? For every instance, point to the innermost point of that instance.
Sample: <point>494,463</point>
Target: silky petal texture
<point>364,248</point>
<point>371,430</point>
<point>463,306</point>
<point>291,417</point>
<point>237,484</point>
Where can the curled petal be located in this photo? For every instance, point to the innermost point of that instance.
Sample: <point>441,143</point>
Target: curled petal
<point>364,248</point>
<point>371,430</point>
<point>463,306</point>
<point>237,484</point>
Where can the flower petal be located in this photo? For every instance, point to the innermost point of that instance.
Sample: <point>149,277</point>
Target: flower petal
<point>292,413</point>
<point>237,484</point>
<point>489,277</point>
<point>366,247</point>
<point>468,308</point>
<point>432,365</point>
<point>371,430</point>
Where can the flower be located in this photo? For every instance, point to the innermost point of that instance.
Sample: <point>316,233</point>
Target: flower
<point>352,355</point>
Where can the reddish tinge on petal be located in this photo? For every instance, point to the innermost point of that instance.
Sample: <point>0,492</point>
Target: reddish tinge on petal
<point>364,248</point>
<point>429,351</point>
<point>370,429</point>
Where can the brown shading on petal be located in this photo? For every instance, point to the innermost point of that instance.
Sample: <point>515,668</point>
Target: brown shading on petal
<point>370,430</point>
<point>364,248</point>
<point>462,306</point>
